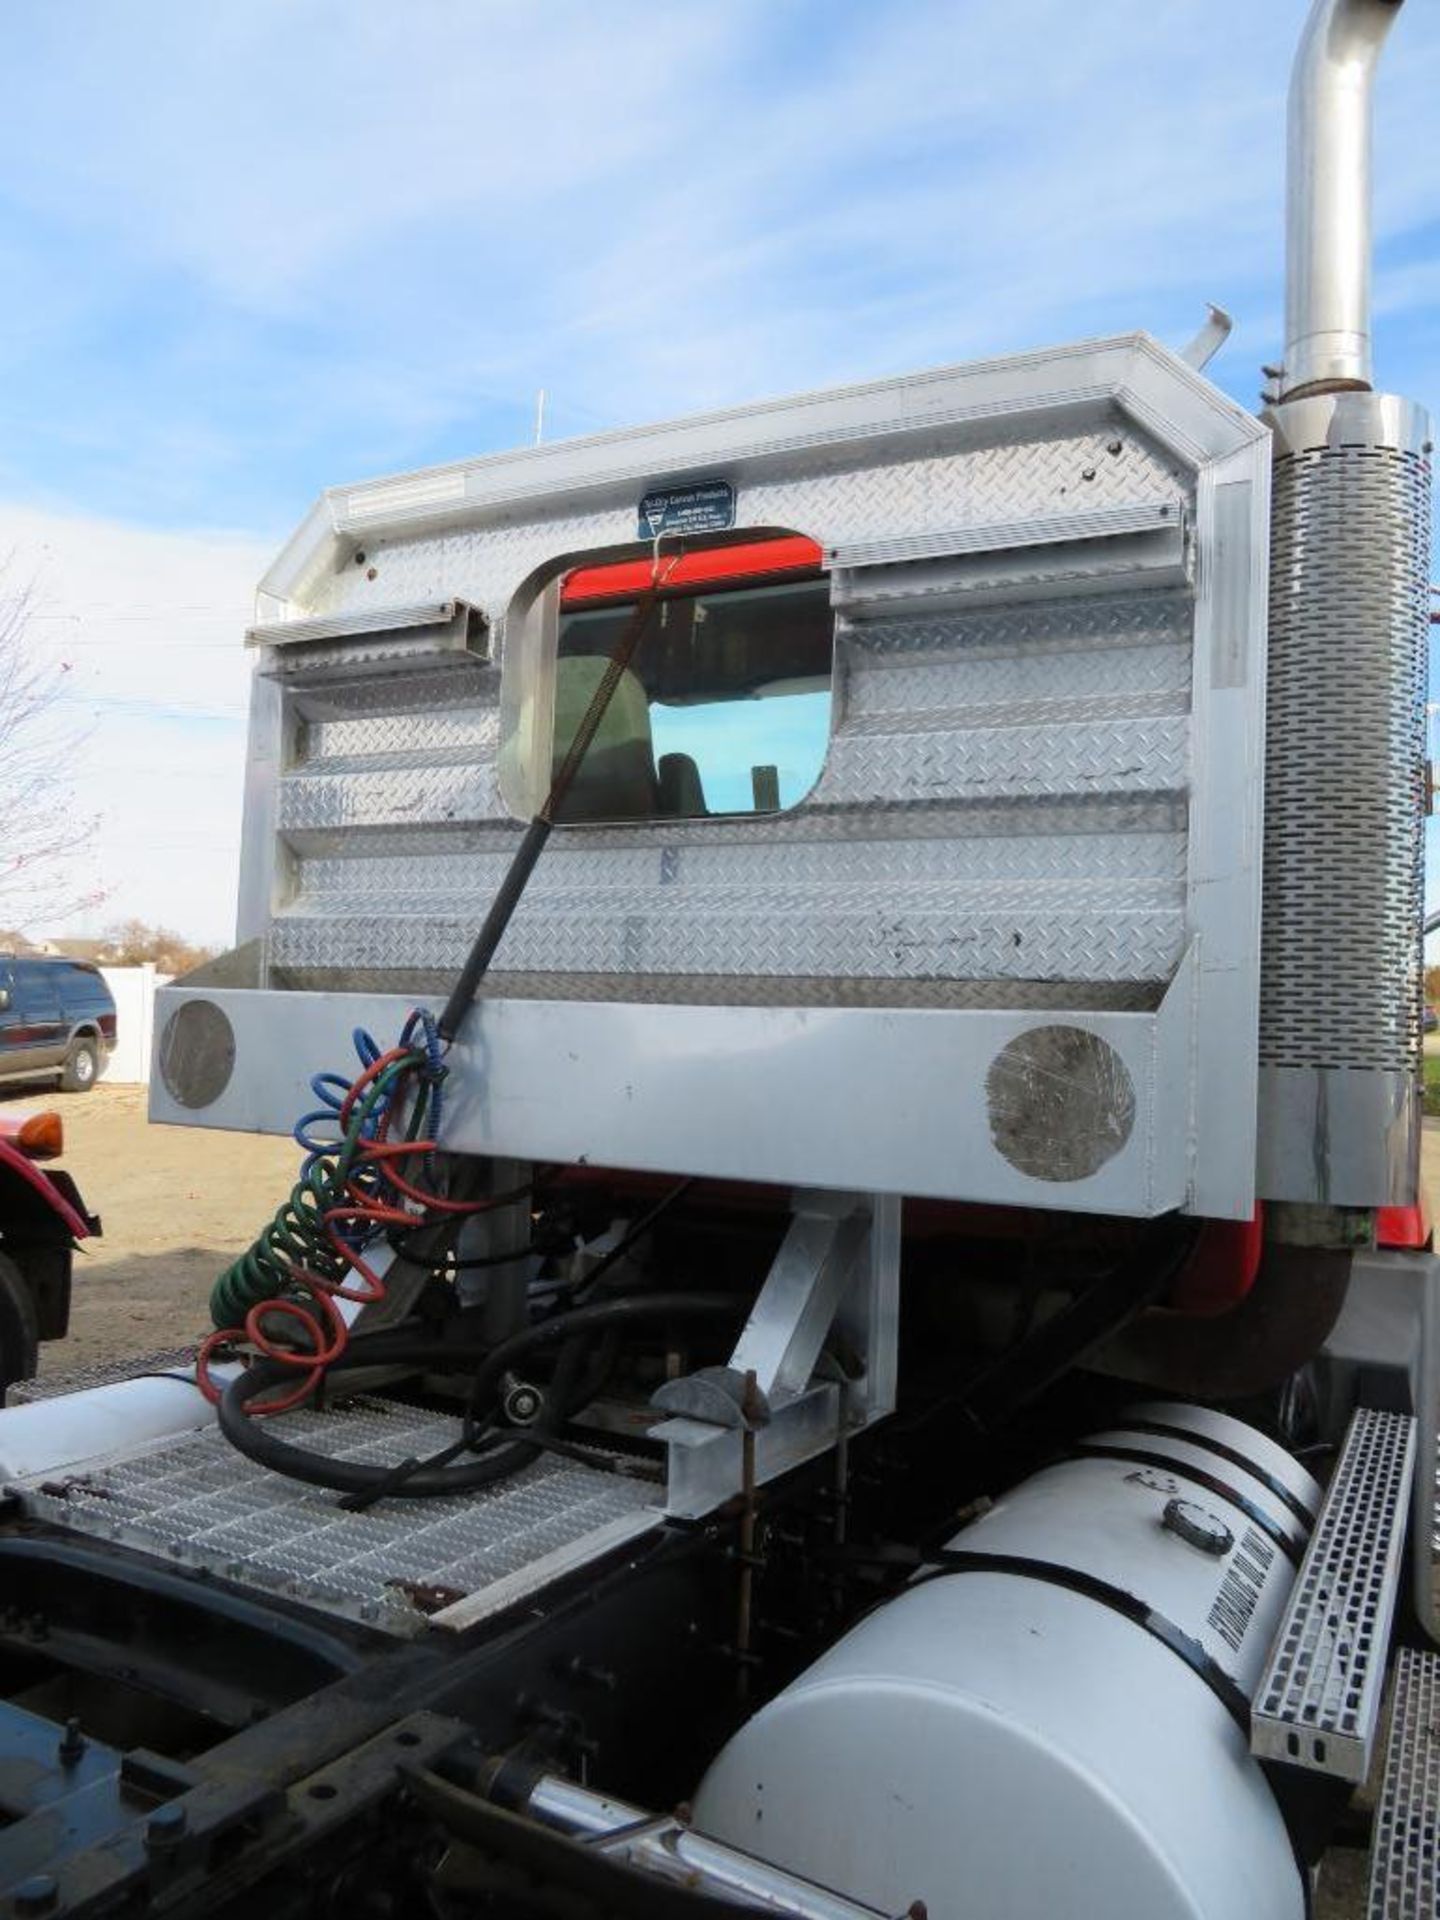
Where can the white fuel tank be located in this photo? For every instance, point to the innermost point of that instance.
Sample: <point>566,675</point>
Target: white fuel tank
<point>1051,1723</point>
<point>102,1423</point>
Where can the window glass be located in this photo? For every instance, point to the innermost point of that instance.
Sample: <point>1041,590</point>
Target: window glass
<point>724,709</point>
<point>36,982</point>
<point>82,986</point>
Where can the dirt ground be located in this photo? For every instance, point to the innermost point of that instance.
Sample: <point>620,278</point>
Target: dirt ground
<point>179,1203</point>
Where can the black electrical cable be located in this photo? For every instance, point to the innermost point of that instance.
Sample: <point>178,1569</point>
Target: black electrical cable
<point>588,1455</point>
<point>424,1480</point>
<point>402,1239</point>
<point>446,1263</point>
<point>1019,1375</point>
<point>636,1233</point>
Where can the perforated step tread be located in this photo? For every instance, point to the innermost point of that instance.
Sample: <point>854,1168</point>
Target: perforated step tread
<point>1318,1701</point>
<point>1405,1848</point>
<point>401,1567</point>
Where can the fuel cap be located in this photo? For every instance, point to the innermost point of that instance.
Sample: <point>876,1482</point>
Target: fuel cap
<point>1199,1526</point>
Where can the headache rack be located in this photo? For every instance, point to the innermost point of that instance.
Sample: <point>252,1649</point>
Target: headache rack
<point>1005,949</point>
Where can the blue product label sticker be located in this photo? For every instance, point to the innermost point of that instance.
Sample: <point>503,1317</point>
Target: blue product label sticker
<point>706,508</point>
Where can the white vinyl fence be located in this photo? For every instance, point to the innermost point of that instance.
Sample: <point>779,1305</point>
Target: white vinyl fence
<point>134,991</point>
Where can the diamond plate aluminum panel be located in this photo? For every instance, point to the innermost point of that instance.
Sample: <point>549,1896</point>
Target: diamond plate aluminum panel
<point>332,766</point>
<point>1140,516</point>
<point>475,730</point>
<point>994,861</point>
<point>462,685</point>
<point>199,1503</point>
<point>980,661</point>
<point>1071,712</point>
<point>1019,475</point>
<point>1081,940</point>
<point>926,764</point>
<point>357,626</point>
<point>1142,682</point>
<point>1048,704</point>
<point>374,797</point>
<point>987,763</point>
<point>1045,632</point>
<point>746,990</point>
<point>1004,816</point>
<point>371,659</point>
<point>1101,820</point>
<point>1003,906</point>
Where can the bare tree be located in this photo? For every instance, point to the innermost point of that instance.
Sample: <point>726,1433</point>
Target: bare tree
<point>129,942</point>
<point>42,833</point>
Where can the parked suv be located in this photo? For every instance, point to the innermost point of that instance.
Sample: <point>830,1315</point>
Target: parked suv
<point>56,1016</point>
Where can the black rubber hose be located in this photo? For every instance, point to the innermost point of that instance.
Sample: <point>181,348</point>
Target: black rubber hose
<point>560,1397</point>
<point>260,1442</point>
<point>636,1233</point>
<point>599,1317</point>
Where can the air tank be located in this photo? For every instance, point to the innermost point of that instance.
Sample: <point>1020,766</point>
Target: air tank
<point>1052,1720</point>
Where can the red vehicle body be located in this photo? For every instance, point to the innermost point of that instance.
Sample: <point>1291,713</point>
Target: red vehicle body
<point>42,1218</point>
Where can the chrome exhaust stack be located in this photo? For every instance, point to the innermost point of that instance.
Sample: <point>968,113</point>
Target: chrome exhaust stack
<point>1328,197</point>
<point>1345,741</point>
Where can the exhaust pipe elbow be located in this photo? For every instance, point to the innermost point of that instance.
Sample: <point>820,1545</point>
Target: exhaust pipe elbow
<point>1328,196</point>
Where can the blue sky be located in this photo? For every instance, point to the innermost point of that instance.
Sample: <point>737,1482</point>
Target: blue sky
<point>261,246</point>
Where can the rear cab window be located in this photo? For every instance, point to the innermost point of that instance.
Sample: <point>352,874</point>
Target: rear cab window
<point>725,707</point>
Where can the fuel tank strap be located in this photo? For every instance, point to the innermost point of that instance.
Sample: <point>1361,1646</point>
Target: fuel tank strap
<point>1207,1443</point>
<point>1231,1697</point>
<point>1184,1470</point>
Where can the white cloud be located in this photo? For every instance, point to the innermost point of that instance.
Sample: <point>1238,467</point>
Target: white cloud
<point>647,205</point>
<point>258,142</point>
<point>148,629</point>
<point>290,242</point>
<point>377,224</point>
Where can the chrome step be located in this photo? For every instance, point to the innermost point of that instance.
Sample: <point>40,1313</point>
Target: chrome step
<point>1318,1700</point>
<point>1405,1848</point>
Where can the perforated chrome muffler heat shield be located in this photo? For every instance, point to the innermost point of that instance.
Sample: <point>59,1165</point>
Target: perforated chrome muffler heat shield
<point>1344,801</point>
